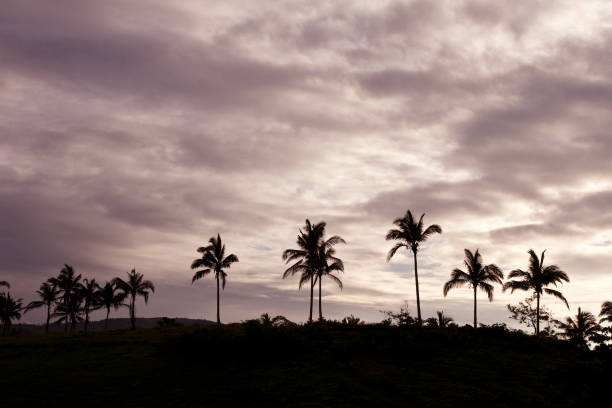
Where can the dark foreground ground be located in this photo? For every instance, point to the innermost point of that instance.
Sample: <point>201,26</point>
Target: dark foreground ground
<point>320,366</point>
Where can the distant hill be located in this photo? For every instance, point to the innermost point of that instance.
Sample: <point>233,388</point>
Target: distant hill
<point>113,324</point>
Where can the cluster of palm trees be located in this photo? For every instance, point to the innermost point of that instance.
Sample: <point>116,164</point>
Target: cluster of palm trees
<point>314,258</point>
<point>410,233</point>
<point>70,299</point>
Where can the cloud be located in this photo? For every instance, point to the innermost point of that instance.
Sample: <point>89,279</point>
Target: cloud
<point>130,135</point>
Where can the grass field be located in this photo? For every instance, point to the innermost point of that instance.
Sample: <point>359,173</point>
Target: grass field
<point>335,365</point>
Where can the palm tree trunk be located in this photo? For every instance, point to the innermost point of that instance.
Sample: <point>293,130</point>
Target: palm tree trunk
<point>537,313</point>
<point>48,318</point>
<point>86,319</point>
<point>416,280</point>
<point>133,313</point>
<point>311,296</point>
<point>320,311</point>
<point>218,314</point>
<point>475,322</point>
<point>106,321</point>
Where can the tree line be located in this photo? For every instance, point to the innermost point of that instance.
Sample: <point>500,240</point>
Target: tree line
<point>70,299</point>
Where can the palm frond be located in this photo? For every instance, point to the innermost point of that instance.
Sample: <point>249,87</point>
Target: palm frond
<point>556,294</point>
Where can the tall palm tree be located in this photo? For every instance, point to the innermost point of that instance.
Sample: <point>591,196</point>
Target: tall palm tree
<point>10,309</point>
<point>110,296</point>
<point>133,287</point>
<point>48,296</point>
<point>536,279</point>
<point>477,276</point>
<point>441,321</point>
<point>90,292</point>
<point>409,235</point>
<point>68,283</point>
<point>580,329</point>
<point>306,257</point>
<point>213,260</point>
<point>328,264</point>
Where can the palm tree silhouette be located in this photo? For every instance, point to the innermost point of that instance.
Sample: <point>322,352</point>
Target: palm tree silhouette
<point>410,234</point>
<point>440,321</point>
<point>110,296</point>
<point>68,283</point>
<point>580,329</point>
<point>70,311</point>
<point>213,260</point>
<point>536,279</point>
<point>306,257</point>
<point>90,292</point>
<point>48,296</point>
<point>10,309</point>
<point>134,286</point>
<point>328,264</point>
<point>477,276</point>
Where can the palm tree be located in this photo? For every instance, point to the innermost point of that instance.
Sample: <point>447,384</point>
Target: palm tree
<point>440,321</point>
<point>68,283</point>
<point>213,260</point>
<point>10,309</point>
<point>110,296</point>
<point>410,234</point>
<point>606,312</point>
<point>580,329</point>
<point>477,276</point>
<point>133,287</point>
<point>328,264</point>
<point>48,296</point>
<point>70,311</point>
<point>306,257</point>
<point>536,279</point>
<point>90,292</point>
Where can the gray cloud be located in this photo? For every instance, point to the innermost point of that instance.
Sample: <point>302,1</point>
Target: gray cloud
<point>130,135</point>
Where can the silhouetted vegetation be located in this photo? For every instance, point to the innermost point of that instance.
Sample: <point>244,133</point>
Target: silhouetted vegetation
<point>322,364</point>
<point>410,235</point>
<point>314,259</point>
<point>477,276</point>
<point>213,260</point>
<point>536,279</point>
<point>133,287</point>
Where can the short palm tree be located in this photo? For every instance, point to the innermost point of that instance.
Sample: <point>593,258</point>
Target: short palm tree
<point>328,264</point>
<point>70,312</point>
<point>441,321</point>
<point>214,260</point>
<point>10,309</point>
<point>133,287</point>
<point>110,296</point>
<point>536,279</point>
<point>306,257</point>
<point>90,292</point>
<point>409,235</point>
<point>68,282</point>
<point>477,276</point>
<point>581,328</point>
<point>48,296</point>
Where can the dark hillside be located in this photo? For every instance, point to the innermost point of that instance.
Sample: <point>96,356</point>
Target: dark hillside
<point>331,365</point>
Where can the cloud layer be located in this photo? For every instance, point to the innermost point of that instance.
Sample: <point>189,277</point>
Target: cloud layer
<point>130,135</point>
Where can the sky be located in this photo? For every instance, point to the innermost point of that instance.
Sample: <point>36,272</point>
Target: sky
<point>133,131</point>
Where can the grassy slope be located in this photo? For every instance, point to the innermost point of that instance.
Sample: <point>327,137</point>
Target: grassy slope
<point>301,367</point>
